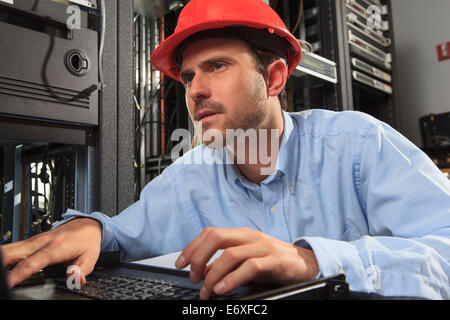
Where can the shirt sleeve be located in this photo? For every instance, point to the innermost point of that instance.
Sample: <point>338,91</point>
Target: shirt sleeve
<point>160,222</point>
<point>406,200</point>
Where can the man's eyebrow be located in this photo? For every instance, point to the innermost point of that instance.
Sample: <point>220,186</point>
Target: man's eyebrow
<point>207,62</point>
<point>215,59</point>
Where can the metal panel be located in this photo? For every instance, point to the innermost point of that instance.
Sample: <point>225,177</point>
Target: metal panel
<point>29,130</point>
<point>34,79</point>
<point>17,191</point>
<point>45,9</point>
<point>345,80</point>
<point>107,138</point>
<point>81,180</point>
<point>125,126</point>
<point>87,3</point>
<point>8,156</point>
<point>115,145</point>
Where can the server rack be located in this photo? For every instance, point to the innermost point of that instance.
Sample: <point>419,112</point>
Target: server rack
<point>95,156</point>
<point>313,23</point>
<point>331,29</point>
<point>367,57</point>
<point>159,100</point>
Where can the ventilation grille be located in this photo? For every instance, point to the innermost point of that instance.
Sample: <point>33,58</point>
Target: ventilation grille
<point>41,92</point>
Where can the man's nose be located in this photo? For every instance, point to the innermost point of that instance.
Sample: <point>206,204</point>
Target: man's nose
<point>199,88</point>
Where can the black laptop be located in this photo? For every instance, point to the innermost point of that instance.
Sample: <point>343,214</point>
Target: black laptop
<point>112,280</point>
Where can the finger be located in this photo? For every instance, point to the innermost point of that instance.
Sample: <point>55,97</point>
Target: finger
<point>182,260</point>
<point>30,265</point>
<point>185,257</point>
<point>227,237</point>
<point>14,252</point>
<point>213,240</point>
<point>208,267</point>
<point>85,264</point>
<point>230,260</point>
<point>255,268</point>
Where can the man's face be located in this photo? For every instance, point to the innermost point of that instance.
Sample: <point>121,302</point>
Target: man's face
<point>224,89</point>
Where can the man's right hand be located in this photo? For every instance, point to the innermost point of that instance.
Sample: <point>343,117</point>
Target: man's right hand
<point>76,242</point>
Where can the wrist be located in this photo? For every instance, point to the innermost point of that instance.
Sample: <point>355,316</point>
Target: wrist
<point>312,270</point>
<point>90,225</point>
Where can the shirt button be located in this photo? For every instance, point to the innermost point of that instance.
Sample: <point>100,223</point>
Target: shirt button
<point>273,210</point>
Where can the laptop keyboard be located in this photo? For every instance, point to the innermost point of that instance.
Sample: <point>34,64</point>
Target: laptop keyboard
<point>104,286</point>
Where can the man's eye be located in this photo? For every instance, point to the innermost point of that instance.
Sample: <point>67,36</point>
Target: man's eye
<point>218,66</point>
<point>187,79</point>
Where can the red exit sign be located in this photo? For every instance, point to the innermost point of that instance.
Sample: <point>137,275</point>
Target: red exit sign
<point>443,51</point>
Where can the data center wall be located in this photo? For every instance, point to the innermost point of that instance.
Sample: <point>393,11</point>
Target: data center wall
<point>422,78</point>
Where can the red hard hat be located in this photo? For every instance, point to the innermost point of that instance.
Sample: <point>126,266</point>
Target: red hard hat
<point>203,15</point>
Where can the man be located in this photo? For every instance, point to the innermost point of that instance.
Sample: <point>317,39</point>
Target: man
<point>347,193</point>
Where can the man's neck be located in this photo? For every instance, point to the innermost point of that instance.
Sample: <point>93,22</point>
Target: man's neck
<point>266,150</point>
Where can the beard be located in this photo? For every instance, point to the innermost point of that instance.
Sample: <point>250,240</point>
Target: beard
<point>253,110</point>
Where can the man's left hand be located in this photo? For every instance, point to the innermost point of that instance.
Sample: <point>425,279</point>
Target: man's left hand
<point>248,255</point>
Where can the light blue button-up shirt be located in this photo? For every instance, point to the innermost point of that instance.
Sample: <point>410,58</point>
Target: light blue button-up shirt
<point>366,200</point>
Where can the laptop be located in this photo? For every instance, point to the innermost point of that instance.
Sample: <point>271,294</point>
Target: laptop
<point>112,280</point>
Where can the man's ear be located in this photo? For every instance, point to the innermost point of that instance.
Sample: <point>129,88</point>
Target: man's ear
<point>276,77</point>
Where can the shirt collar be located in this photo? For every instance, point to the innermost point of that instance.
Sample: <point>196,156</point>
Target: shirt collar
<point>287,161</point>
<point>288,157</point>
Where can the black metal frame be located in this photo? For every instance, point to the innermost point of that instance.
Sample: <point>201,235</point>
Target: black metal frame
<point>7,154</point>
<point>113,174</point>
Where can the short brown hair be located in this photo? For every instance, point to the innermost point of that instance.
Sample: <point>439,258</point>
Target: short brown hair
<point>263,58</point>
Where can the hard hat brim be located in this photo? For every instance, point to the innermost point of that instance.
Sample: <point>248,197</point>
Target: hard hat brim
<point>164,57</point>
